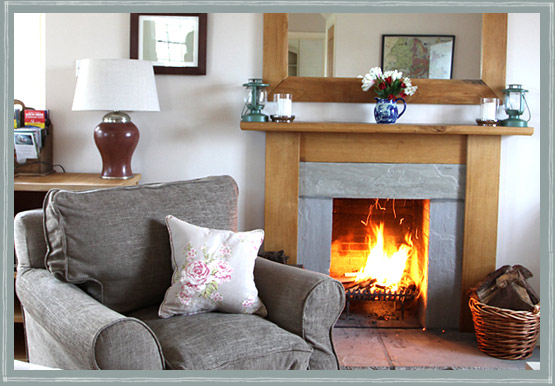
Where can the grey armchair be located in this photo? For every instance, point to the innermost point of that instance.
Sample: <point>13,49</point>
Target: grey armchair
<point>96,306</point>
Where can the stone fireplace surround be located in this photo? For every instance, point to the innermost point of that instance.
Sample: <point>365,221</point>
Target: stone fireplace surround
<point>443,185</point>
<point>477,148</point>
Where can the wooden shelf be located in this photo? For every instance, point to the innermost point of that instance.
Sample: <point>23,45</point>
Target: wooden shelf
<point>372,128</point>
<point>17,314</point>
<point>69,181</point>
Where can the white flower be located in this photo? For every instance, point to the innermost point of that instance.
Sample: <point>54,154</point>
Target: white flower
<point>375,73</point>
<point>394,74</point>
<point>410,90</point>
<point>367,82</point>
<point>369,79</point>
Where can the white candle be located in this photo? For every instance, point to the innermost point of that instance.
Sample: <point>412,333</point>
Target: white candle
<point>284,105</point>
<point>488,109</point>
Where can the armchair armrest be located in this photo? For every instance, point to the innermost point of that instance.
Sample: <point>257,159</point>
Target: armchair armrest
<point>68,329</point>
<point>303,302</point>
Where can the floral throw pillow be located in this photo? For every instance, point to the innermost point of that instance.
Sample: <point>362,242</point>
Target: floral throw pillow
<point>213,270</point>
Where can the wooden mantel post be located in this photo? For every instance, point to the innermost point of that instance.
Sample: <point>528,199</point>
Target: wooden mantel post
<point>480,214</point>
<point>282,193</point>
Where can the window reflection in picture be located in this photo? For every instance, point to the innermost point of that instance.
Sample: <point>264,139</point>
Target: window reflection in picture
<point>175,43</point>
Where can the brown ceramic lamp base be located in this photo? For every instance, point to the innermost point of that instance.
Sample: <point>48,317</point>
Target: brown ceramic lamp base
<point>116,142</point>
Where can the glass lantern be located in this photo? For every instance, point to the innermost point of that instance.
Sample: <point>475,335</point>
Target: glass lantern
<point>513,104</point>
<point>255,99</point>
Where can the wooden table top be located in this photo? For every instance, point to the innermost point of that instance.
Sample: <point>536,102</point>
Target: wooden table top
<point>70,181</point>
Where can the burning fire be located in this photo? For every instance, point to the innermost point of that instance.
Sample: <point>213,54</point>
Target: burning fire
<point>385,264</point>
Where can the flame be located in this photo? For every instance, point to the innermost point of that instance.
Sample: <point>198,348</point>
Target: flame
<point>386,265</point>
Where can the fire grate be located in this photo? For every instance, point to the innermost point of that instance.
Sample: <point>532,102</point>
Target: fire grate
<point>375,294</point>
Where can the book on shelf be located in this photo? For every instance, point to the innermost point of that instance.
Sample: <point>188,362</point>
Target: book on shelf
<point>36,118</point>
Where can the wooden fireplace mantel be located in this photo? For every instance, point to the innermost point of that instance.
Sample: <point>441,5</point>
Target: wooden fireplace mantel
<point>371,128</point>
<point>477,147</point>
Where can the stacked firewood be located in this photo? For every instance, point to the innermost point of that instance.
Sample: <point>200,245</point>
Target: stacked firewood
<point>507,288</point>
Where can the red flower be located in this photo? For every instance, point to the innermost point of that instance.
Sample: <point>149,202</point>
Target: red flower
<point>382,86</point>
<point>403,85</point>
<point>391,97</point>
<point>388,80</point>
<point>403,95</point>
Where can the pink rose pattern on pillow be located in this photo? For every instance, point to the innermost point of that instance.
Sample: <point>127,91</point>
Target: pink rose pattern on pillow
<point>202,278</point>
<point>213,270</point>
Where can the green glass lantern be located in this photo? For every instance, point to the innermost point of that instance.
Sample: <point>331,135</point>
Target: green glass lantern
<point>255,100</point>
<point>513,104</point>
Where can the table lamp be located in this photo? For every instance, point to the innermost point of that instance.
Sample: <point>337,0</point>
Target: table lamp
<point>115,85</point>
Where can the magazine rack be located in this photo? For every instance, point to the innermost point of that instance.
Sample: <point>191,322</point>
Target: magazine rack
<point>42,165</point>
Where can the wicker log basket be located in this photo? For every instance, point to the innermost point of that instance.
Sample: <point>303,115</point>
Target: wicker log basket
<point>504,333</point>
<point>506,313</point>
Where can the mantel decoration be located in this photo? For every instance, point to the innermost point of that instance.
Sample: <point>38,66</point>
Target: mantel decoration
<point>255,100</point>
<point>513,104</point>
<point>390,87</point>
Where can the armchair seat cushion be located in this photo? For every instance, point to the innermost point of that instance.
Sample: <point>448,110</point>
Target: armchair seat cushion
<point>221,341</point>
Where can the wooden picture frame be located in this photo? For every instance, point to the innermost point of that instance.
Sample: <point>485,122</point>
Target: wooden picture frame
<point>174,42</point>
<point>419,56</point>
<point>348,90</point>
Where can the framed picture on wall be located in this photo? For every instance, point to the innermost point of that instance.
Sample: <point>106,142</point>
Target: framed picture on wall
<point>174,42</point>
<point>419,56</point>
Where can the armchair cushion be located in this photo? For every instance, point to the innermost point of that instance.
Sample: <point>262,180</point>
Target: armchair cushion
<point>220,341</point>
<point>213,270</point>
<point>114,242</point>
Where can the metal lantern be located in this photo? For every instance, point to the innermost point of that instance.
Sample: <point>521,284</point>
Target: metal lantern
<point>254,101</point>
<point>513,104</point>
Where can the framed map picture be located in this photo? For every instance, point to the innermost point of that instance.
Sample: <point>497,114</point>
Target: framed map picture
<point>419,56</point>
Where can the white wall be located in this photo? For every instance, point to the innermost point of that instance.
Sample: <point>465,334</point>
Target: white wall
<point>519,199</point>
<point>29,56</point>
<point>197,131</point>
<point>195,134</point>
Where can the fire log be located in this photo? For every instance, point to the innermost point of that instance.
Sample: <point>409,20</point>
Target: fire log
<point>507,287</point>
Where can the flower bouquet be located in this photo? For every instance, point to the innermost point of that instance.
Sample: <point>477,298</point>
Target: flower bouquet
<point>390,87</point>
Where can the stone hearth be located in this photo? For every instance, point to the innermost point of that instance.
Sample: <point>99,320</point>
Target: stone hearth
<point>416,349</point>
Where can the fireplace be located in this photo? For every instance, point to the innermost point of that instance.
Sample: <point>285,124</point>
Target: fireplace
<point>342,206</point>
<point>298,205</point>
<point>379,252</point>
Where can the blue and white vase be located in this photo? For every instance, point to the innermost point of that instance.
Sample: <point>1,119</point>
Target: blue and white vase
<point>386,110</point>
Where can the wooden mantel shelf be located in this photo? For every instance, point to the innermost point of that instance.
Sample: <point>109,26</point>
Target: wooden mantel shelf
<point>371,128</point>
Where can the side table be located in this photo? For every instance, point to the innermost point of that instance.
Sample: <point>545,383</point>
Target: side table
<point>29,193</point>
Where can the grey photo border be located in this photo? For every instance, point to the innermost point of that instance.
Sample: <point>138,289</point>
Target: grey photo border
<point>545,375</point>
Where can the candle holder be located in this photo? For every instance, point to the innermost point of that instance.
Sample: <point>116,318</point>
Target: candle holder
<point>255,99</point>
<point>283,108</point>
<point>488,112</point>
<point>513,104</point>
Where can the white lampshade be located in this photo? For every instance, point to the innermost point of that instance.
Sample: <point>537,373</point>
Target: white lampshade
<point>115,85</point>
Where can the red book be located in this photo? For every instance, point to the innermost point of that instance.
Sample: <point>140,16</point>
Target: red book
<point>35,118</point>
